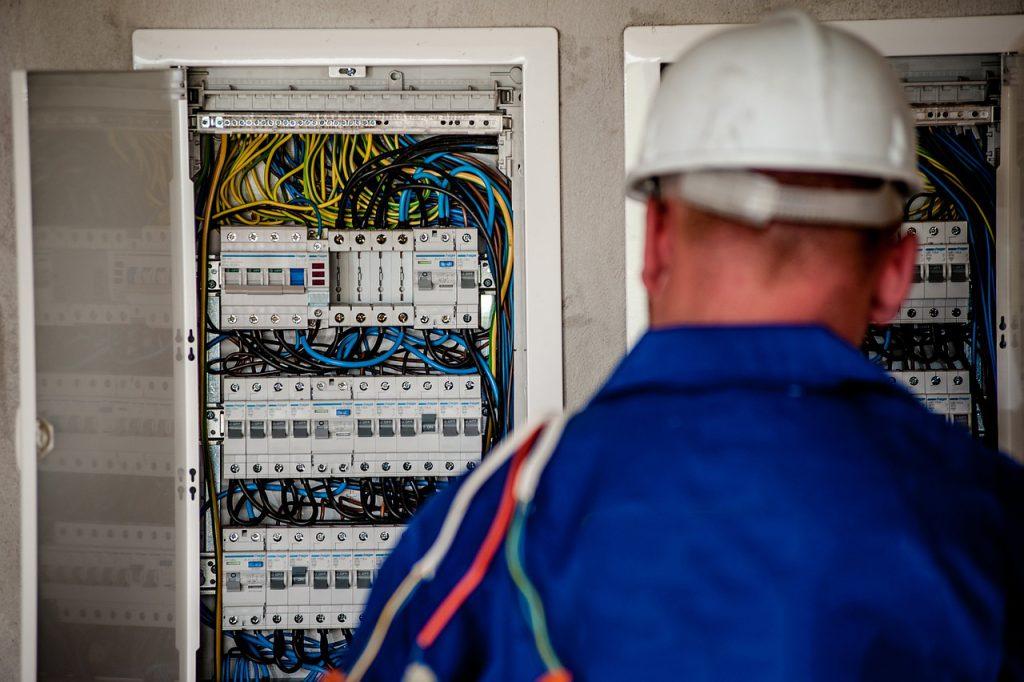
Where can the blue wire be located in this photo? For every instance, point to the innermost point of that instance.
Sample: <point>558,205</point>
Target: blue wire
<point>348,364</point>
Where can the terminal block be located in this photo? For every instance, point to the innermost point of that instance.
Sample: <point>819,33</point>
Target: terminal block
<point>297,578</point>
<point>351,426</point>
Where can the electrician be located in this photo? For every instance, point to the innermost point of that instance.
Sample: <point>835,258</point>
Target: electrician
<point>747,497</point>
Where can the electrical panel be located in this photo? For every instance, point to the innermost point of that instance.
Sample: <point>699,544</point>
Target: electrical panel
<point>359,323</point>
<point>262,296</point>
<point>942,344</point>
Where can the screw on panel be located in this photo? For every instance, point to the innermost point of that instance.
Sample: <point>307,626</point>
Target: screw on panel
<point>360,318</point>
<point>360,238</point>
<point>402,317</point>
<point>382,317</point>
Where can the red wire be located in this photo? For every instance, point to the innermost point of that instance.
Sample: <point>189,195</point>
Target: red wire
<point>484,556</point>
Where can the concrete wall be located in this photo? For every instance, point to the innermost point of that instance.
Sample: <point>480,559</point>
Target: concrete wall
<point>84,34</point>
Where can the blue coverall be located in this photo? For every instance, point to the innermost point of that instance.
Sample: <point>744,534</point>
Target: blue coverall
<point>755,503</point>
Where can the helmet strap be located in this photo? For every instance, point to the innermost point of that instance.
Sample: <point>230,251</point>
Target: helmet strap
<point>759,199</point>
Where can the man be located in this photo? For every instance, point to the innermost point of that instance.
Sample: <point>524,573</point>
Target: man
<point>747,498</point>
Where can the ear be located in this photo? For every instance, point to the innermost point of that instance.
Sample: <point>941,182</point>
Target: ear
<point>895,275</point>
<point>657,247</point>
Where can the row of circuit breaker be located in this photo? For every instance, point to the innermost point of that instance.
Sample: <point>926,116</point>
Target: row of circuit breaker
<point>276,578</point>
<point>941,285</point>
<point>320,427</point>
<point>944,392</point>
<point>278,278</point>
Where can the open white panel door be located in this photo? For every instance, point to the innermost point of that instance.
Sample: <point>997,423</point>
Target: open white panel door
<point>105,359</point>
<point>1010,258</point>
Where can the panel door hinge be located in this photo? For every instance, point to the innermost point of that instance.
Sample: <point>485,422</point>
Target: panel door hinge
<point>45,437</point>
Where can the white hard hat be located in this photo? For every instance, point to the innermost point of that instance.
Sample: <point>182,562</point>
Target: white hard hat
<point>788,94</point>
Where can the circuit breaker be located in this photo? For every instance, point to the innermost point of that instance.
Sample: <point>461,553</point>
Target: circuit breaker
<point>941,284</point>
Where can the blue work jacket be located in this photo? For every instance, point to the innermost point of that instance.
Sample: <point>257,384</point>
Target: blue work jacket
<point>756,503</point>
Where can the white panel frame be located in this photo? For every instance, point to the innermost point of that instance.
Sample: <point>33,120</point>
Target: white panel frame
<point>534,49</point>
<point>25,425</point>
<point>647,48</point>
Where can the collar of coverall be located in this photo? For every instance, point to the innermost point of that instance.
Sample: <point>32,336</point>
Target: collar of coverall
<point>781,357</point>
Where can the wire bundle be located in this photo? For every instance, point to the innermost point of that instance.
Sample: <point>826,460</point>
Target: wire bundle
<point>254,652</point>
<point>326,501</point>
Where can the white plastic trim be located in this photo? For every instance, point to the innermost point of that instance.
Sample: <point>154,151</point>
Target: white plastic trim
<point>25,426</point>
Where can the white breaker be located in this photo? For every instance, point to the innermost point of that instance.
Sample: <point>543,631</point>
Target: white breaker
<point>320,577</point>
<point>941,285</point>
<point>278,278</point>
<point>319,427</point>
<point>945,392</point>
<point>428,278</point>
<point>271,278</point>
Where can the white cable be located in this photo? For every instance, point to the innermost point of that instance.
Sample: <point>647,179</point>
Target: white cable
<point>533,467</point>
<point>426,567</point>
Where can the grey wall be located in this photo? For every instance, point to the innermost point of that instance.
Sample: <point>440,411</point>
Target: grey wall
<point>54,35</point>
